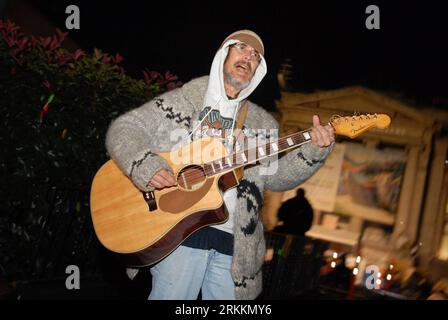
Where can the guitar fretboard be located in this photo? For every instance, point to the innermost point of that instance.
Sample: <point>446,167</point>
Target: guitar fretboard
<point>252,155</point>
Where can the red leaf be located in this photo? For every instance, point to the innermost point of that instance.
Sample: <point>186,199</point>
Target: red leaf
<point>118,58</point>
<point>106,59</point>
<point>10,26</point>
<point>78,54</point>
<point>34,41</point>
<point>97,53</point>
<point>61,35</point>
<point>55,43</point>
<point>155,75</point>
<point>46,41</point>
<point>22,43</point>
<point>170,77</point>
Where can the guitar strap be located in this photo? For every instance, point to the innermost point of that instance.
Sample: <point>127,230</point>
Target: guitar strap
<point>238,135</point>
<point>237,130</point>
<point>241,116</point>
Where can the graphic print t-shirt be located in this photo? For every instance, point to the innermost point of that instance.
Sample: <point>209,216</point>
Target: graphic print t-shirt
<point>218,124</point>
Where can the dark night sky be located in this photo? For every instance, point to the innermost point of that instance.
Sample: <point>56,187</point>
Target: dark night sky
<point>328,43</point>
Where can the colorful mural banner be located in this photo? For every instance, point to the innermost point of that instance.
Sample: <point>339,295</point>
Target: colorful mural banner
<point>370,182</point>
<point>357,181</point>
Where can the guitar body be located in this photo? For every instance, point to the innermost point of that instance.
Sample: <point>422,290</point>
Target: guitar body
<point>144,232</point>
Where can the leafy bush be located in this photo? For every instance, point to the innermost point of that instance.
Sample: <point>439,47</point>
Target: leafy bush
<point>55,108</point>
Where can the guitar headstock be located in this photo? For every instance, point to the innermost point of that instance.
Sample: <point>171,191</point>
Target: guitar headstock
<point>352,126</point>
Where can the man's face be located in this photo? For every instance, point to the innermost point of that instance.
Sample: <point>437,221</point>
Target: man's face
<point>240,65</point>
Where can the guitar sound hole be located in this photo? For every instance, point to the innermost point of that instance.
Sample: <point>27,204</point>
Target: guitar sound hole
<point>191,177</point>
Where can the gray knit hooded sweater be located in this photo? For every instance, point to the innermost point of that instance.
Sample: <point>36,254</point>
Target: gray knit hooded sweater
<point>134,139</point>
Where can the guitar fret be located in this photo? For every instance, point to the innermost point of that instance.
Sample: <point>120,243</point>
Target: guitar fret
<point>358,125</point>
<point>260,152</point>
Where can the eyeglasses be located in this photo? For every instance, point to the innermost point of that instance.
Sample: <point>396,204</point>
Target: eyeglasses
<point>244,48</point>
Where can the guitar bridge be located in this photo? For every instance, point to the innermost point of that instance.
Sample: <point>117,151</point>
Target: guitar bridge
<point>150,200</point>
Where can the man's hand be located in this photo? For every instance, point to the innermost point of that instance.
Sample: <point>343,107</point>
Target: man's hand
<point>163,178</point>
<point>321,136</point>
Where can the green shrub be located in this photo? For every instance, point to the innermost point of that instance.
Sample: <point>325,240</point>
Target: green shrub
<point>55,108</point>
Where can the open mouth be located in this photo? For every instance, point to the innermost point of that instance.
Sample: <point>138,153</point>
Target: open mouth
<point>243,67</point>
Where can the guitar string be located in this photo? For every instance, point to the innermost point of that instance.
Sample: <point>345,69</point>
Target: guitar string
<point>195,177</point>
<point>281,145</point>
<point>199,176</point>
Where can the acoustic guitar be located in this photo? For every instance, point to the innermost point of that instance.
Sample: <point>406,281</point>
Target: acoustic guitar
<point>144,227</point>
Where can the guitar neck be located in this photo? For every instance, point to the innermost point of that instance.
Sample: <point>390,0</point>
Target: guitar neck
<point>240,159</point>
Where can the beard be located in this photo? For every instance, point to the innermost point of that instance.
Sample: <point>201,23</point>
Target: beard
<point>238,85</point>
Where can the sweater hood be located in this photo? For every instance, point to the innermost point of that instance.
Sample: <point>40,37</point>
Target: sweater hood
<point>216,92</point>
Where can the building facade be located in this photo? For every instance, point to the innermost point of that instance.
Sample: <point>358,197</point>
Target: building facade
<point>417,225</point>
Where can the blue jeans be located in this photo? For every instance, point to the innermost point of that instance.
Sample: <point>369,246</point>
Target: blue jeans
<point>186,271</point>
